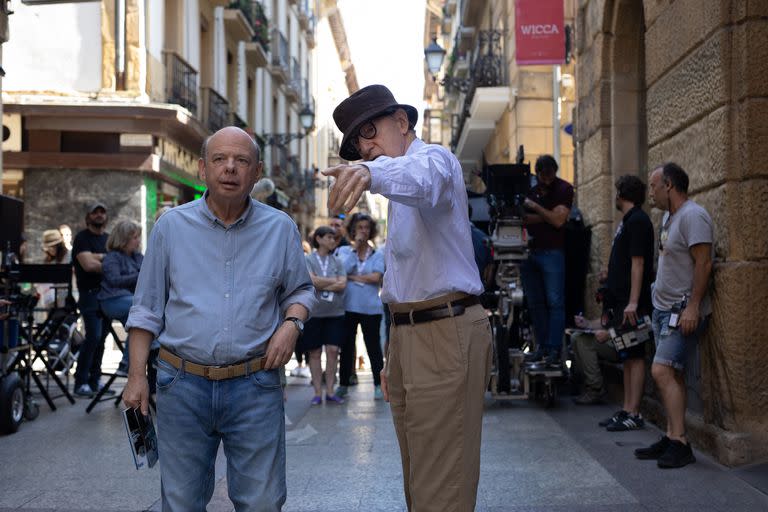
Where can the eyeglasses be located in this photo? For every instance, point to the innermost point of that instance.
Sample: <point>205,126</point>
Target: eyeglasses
<point>368,129</point>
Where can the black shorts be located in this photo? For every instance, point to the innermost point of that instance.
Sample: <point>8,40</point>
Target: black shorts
<point>636,352</point>
<point>322,331</point>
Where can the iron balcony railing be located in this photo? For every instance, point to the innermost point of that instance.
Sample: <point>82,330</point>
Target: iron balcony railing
<point>216,109</point>
<point>294,170</point>
<point>253,10</point>
<point>295,80</point>
<point>279,50</point>
<point>486,69</point>
<point>260,25</point>
<point>238,121</point>
<point>279,160</point>
<point>181,82</point>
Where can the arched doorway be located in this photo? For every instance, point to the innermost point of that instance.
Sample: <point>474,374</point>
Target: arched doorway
<point>629,144</point>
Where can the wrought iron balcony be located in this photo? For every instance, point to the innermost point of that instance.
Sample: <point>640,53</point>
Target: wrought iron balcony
<point>236,120</point>
<point>294,86</point>
<point>280,55</point>
<point>215,109</point>
<point>180,82</point>
<point>279,160</point>
<point>486,69</point>
<point>260,25</point>
<point>253,10</point>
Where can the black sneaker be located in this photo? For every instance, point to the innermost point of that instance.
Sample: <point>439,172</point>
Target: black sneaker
<point>654,451</point>
<point>617,416</point>
<point>629,422</point>
<point>676,455</point>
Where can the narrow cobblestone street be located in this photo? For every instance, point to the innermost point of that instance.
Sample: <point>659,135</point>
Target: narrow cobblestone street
<point>345,458</point>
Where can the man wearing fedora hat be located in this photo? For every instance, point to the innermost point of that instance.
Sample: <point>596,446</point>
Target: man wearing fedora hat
<point>439,351</point>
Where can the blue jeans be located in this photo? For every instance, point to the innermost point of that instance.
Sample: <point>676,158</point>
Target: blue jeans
<point>117,308</point>
<point>92,350</point>
<point>543,275</point>
<point>672,347</point>
<point>195,414</point>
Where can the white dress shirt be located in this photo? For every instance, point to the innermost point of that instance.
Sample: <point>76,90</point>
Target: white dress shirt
<point>429,242</point>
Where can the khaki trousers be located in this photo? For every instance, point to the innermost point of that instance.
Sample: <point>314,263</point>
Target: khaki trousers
<point>437,374</point>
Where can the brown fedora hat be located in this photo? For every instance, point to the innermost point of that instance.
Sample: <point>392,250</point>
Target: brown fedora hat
<point>362,106</point>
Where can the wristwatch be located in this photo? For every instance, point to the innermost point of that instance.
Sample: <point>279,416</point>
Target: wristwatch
<point>297,322</point>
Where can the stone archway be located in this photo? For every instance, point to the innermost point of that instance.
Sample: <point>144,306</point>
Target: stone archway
<point>628,139</point>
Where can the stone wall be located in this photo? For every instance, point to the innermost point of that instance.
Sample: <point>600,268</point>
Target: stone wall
<point>60,196</point>
<point>706,104</point>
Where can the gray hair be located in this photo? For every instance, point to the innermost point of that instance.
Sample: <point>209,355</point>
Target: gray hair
<point>204,148</point>
<point>122,234</point>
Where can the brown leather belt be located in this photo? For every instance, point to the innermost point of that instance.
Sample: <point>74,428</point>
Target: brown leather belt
<point>214,372</point>
<point>456,308</point>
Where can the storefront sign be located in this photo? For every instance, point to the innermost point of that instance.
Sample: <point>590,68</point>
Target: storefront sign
<point>539,32</point>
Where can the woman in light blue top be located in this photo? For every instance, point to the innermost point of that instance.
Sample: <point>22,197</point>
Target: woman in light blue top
<point>365,267</point>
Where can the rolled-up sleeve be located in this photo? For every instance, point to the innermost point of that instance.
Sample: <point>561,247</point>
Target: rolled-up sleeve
<point>151,296</point>
<point>296,287</point>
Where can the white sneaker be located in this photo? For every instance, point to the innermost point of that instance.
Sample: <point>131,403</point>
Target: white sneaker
<point>304,372</point>
<point>296,372</point>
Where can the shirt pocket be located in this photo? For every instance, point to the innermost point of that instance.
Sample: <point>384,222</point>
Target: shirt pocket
<point>260,302</point>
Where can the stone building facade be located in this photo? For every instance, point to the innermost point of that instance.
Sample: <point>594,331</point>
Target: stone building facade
<point>483,105</point>
<point>111,101</point>
<point>687,81</point>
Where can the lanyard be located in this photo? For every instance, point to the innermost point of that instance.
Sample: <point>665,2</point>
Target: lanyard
<point>323,264</point>
<point>360,263</point>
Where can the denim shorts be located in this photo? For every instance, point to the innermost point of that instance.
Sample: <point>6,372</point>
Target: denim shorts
<point>671,346</point>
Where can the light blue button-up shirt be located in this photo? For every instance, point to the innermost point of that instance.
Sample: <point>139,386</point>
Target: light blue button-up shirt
<point>215,294</point>
<point>429,242</point>
<point>359,297</point>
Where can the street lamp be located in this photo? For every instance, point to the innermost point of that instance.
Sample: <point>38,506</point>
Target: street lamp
<point>307,120</point>
<point>434,55</point>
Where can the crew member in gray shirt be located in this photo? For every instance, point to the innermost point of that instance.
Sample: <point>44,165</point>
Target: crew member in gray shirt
<point>680,304</point>
<point>225,289</point>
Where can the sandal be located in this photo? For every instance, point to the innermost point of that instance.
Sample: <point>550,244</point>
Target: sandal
<point>335,399</point>
<point>316,400</point>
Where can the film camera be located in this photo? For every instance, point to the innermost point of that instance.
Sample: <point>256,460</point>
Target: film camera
<point>507,186</point>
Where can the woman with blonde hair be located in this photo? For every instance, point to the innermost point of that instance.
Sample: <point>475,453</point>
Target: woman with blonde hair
<point>120,269</point>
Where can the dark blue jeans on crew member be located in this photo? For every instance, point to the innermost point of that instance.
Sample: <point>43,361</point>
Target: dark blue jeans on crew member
<point>543,275</point>
<point>92,350</point>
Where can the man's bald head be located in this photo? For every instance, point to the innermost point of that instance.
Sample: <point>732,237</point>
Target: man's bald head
<point>235,131</point>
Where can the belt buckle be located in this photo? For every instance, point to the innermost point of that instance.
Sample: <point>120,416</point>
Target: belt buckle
<point>214,372</point>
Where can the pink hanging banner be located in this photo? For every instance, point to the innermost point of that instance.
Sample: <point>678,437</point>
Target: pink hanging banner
<point>539,32</point>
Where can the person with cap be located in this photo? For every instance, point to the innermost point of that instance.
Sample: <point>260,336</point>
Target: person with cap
<point>438,363</point>
<point>224,287</point>
<point>88,250</point>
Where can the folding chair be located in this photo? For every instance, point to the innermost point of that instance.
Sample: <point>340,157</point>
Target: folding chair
<point>40,337</point>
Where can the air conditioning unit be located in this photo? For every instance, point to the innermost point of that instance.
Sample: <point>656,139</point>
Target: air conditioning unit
<point>11,132</point>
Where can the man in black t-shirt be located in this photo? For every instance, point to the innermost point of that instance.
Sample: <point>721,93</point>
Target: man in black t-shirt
<point>626,297</point>
<point>543,273</point>
<point>88,251</point>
